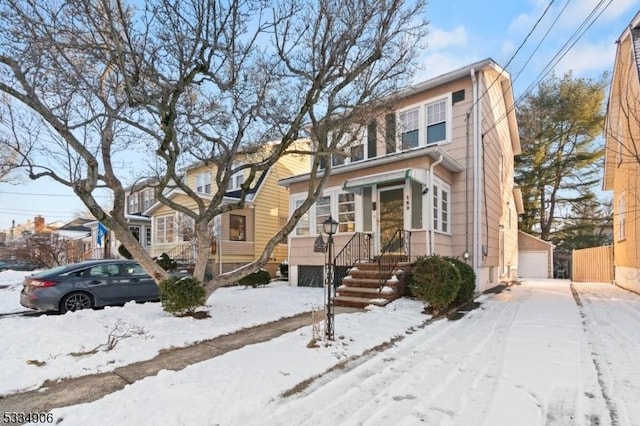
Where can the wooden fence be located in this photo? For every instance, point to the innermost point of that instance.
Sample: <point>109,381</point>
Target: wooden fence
<point>593,264</point>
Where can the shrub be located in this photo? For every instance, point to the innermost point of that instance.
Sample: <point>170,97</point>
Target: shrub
<point>468,283</point>
<point>435,281</point>
<point>181,296</point>
<point>166,262</point>
<point>260,277</point>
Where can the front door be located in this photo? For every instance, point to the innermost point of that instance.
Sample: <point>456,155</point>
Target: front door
<point>390,216</point>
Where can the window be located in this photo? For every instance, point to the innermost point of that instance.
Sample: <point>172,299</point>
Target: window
<point>135,270</point>
<point>133,203</point>
<point>147,199</point>
<point>622,231</point>
<point>346,213</point>
<point>148,236</point>
<point>135,230</point>
<point>437,121</point>
<point>357,153</point>
<point>409,122</point>
<point>416,205</point>
<point>441,209</point>
<point>302,227</point>
<point>237,228</point>
<point>203,183</point>
<point>165,229</point>
<point>187,228</point>
<point>323,211</point>
<point>236,181</point>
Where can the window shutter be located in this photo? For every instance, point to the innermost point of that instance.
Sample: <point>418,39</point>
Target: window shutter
<point>372,130</point>
<point>390,132</point>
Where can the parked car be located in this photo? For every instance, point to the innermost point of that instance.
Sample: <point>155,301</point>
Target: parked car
<point>88,284</point>
<point>16,265</point>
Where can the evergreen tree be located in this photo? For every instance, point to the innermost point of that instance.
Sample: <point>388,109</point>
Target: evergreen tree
<point>559,129</point>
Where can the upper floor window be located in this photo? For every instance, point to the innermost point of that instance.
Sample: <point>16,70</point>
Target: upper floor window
<point>203,183</point>
<point>236,181</point>
<point>410,123</point>
<point>147,198</point>
<point>133,203</point>
<point>436,121</point>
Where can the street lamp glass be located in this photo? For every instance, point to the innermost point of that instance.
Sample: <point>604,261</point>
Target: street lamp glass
<point>330,226</point>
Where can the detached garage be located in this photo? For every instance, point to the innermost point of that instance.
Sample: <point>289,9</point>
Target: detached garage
<point>535,257</point>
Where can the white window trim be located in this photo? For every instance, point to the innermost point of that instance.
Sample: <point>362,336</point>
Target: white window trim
<point>442,186</point>
<point>155,233</point>
<point>232,180</point>
<point>333,194</point>
<point>202,180</point>
<point>422,121</point>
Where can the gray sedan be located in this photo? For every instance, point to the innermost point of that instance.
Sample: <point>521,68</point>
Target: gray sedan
<point>88,284</point>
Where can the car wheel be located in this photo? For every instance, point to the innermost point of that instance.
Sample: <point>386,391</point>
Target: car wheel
<point>75,301</point>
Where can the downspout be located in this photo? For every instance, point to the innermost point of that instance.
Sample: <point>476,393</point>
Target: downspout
<point>476,178</point>
<point>430,205</point>
<point>467,210</point>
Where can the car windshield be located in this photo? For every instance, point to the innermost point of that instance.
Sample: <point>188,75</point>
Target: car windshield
<point>54,270</point>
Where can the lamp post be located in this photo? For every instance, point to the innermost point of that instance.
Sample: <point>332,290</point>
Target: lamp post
<point>330,227</point>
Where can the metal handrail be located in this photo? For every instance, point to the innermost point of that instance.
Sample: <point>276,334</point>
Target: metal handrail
<point>357,249</point>
<point>183,253</point>
<point>400,242</point>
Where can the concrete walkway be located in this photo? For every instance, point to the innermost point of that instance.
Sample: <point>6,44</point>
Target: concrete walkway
<point>79,390</point>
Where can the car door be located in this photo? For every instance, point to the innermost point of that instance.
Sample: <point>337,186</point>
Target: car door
<point>141,286</point>
<point>105,282</point>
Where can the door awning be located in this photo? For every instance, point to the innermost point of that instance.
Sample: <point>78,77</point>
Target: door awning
<point>416,175</point>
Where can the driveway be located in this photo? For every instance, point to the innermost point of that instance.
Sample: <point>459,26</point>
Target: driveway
<point>544,352</point>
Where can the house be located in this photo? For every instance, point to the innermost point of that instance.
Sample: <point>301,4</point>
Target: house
<point>622,156</point>
<point>238,236</point>
<point>433,176</point>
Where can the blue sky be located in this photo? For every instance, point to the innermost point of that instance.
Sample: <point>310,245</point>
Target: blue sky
<point>461,32</point>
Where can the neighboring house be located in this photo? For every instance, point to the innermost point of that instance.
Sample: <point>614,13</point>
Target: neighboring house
<point>535,258</point>
<point>238,236</point>
<point>435,176</point>
<point>622,158</point>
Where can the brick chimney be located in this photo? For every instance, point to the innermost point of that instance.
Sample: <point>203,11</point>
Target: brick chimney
<point>38,224</point>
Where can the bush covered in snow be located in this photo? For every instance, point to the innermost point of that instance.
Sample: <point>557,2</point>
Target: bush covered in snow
<point>468,283</point>
<point>181,296</point>
<point>435,281</point>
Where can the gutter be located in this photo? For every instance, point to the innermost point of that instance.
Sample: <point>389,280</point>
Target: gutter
<point>476,179</point>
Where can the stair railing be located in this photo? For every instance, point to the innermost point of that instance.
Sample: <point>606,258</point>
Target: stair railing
<point>396,249</point>
<point>357,249</point>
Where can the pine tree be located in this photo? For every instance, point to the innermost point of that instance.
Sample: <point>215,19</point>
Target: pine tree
<point>559,129</point>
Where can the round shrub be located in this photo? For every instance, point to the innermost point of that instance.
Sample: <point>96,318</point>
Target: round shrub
<point>260,277</point>
<point>181,296</point>
<point>435,281</point>
<point>468,283</point>
<point>122,250</point>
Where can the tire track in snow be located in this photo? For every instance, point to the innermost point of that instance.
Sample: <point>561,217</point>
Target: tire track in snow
<point>456,374</point>
<point>586,326</point>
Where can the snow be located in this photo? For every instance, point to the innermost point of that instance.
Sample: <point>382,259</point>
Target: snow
<point>530,355</point>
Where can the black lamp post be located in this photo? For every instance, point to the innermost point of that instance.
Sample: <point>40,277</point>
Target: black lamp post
<point>330,227</point>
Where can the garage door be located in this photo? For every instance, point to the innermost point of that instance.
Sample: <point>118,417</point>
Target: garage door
<point>533,264</point>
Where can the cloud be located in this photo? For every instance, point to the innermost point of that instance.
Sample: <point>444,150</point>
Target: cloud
<point>588,59</point>
<point>439,39</point>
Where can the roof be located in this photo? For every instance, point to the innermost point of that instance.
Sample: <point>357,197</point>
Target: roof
<point>432,151</point>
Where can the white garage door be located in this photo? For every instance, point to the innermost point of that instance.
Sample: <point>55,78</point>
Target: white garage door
<point>533,264</point>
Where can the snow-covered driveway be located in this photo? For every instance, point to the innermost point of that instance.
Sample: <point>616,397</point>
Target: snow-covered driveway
<point>527,356</point>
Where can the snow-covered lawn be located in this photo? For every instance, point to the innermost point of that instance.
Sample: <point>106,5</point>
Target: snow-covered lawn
<point>527,356</point>
<point>50,339</point>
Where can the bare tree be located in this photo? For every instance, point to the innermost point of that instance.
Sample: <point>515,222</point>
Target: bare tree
<point>91,83</point>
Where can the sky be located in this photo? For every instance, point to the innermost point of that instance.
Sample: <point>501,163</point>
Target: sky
<point>461,32</point>
<point>528,356</point>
